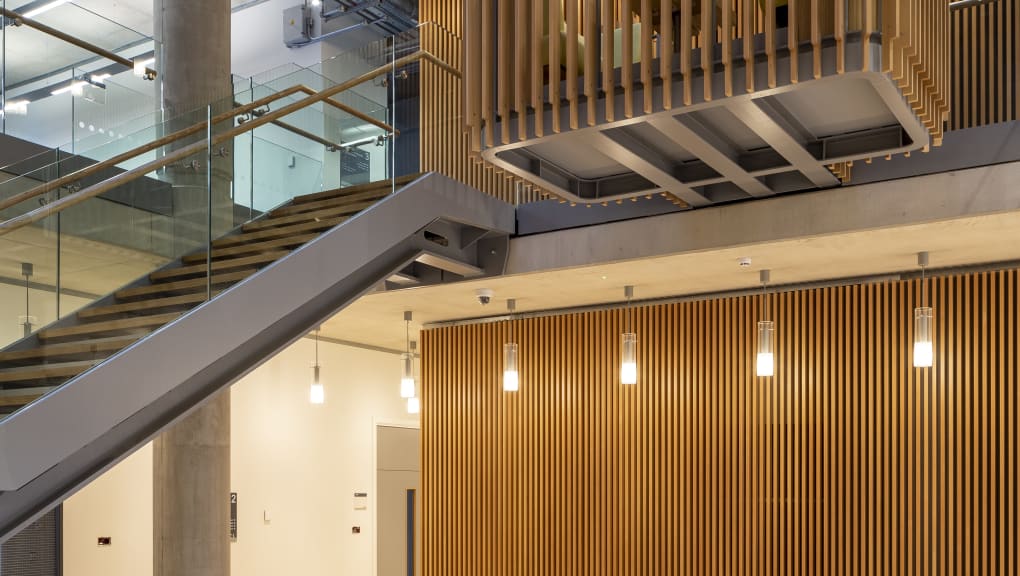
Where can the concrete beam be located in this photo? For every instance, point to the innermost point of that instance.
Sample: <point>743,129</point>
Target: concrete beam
<point>633,154</point>
<point>938,197</point>
<point>690,135</point>
<point>778,138</point>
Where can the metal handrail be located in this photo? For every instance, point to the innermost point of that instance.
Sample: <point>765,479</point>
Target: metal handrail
<point>183,152</point>
<point>20,19</point>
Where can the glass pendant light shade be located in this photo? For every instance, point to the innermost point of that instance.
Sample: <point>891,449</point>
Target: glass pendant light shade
<point>765,363</point>
<point>317,393</point>
<point>923,353</point>
<point>628,359</point>
<point>413,405</point>
<point>407,376</point>
<point>511,382</point>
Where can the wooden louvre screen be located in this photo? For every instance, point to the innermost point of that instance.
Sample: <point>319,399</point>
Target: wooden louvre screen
<point>848,460</point>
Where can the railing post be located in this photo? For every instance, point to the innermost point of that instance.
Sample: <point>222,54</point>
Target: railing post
<point>251,160</point>
<point>209,201</point>
<point>393,115</point>
<point>3,70</point>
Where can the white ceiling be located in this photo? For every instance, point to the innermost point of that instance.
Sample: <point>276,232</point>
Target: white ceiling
<point>134,14</point>
<point>377,319</point>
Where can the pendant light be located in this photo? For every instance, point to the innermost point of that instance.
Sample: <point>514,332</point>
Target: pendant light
<point>511,378</point>
<point>317,393</point>
<point>765,361</point>
<point>628,350</point>
<point>923,350</point>
<point>407,361</point>
<point>413,405</point>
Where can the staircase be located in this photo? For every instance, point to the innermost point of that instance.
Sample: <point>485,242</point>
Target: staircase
<point>60,353</point>
<point>96,385</point>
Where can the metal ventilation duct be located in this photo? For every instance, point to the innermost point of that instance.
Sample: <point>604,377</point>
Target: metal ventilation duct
<point>353,22</point>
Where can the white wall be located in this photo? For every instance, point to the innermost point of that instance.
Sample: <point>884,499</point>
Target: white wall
<point>300,465</point>
<point>256,40</point>
<point>295,463</point>
<point>42,305</point>
<point>118,504</point>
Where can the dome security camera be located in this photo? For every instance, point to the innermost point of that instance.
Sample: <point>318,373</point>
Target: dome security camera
<point>484,296</point>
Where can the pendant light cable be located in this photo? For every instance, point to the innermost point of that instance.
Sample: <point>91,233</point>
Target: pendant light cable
<point>628,351</point>
<point>923,346</point>
<point>317,393</point>
<point>511,376</point>
<point>407,380</point>
<point>922,261</point>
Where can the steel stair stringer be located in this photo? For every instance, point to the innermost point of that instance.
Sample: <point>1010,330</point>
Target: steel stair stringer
<point>55,446</point>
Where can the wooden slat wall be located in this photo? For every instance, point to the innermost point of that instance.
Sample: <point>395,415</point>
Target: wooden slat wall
<point>592,39</point>
<point>915,53</point>
<point>986,63</point>
<point>847,461</point>
<point>449,104</point>
<point>613,44</point>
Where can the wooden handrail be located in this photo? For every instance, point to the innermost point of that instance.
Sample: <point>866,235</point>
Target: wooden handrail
<point>331,146</point>
<point>194,148</point>
<point>159,142</point>
<point>353,112</point>
<point>183,133</point>
<point>20,19</point>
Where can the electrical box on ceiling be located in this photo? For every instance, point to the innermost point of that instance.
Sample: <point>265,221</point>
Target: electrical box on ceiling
<point>297,23</point>
<point>358,22</point>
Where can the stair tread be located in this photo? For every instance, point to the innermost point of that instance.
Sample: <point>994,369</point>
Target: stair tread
<point>109,325</point>
<point>179,285</point>
<point>218,265</point>
<point>345,209</point>
<point>43,371</point>
<point>140,305</point>
<point>286,242</point>
<point>109,344</point>
<point>12,400</point>
<point>290,209</point>
<point>245,237</point>
<point>379,184</point>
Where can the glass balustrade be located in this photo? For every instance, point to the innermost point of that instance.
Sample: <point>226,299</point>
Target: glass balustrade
<point>57,94</point>
<point>90,247</point>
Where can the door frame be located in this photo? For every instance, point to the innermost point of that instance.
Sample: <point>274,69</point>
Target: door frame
<point>376,424</point>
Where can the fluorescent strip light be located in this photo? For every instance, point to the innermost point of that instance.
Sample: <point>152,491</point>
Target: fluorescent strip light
<point>16,107</point>
<point>99,77</point>
<point>44,8</point>
<point>73,87</point>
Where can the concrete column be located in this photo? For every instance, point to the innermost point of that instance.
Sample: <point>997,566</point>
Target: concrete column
<point>191,461</point>
<point>193,55</point>
<point>191,494</point>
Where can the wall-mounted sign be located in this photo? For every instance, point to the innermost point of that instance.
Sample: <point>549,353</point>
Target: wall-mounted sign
<point>233,516</point>
<point>355,165</point>
<point>361,500</point>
